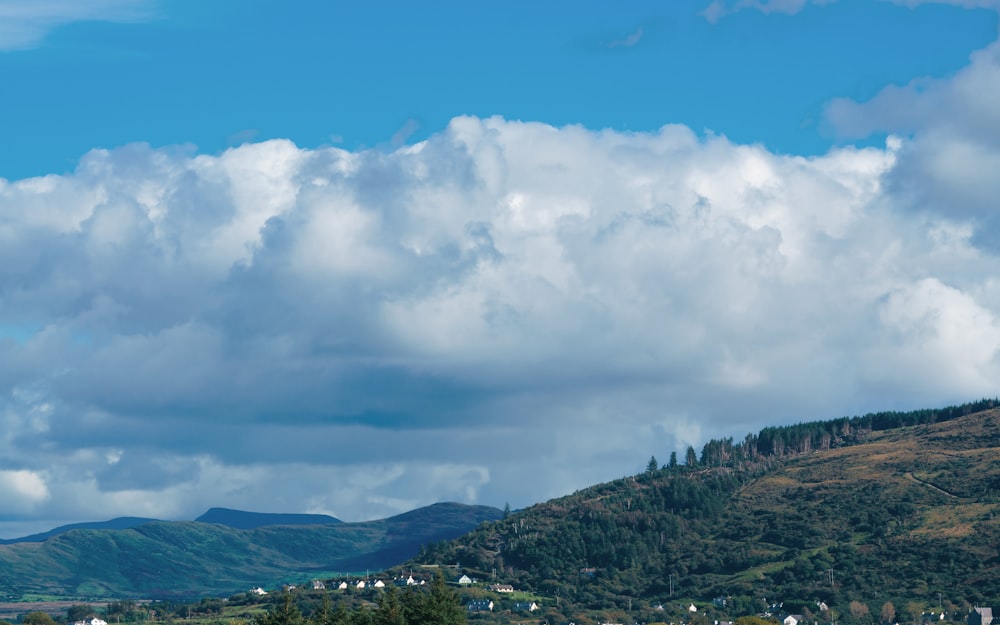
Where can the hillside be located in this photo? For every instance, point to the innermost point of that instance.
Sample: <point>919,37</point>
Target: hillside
<point>187,558</point>
<point>840,511</point>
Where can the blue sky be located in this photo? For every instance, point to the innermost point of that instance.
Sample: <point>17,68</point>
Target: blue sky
<point>303,257</point>
<point>355,74</point>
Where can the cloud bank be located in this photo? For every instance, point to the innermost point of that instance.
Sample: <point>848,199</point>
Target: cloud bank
<point>502,305</point>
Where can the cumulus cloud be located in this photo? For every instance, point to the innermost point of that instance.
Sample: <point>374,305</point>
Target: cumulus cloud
<point>948,166</point>
<point>22,490</point>
<point>25,23</point>
<point>506,303</point>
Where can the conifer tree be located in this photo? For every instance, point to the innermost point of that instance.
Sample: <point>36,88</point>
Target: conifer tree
<point>439,606</point>
<point>287,614</point>
<point>390,608</point>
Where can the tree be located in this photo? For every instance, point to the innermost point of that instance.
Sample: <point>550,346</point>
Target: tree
<point>652,466</point>
<point>888,612</point>
<point>673,460</point>
<point>323,615</point>
<point>390,608</point>
<point>78,612</point>
<point>506,509</point>
<point>285,614</point>
<point>439,606</point>
<point>37,618</point>
<point>859,610</point>
<point>690,457</point>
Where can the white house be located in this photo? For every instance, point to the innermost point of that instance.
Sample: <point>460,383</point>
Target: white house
<point>379,584</point>
<point>260,592</point>
<point>693,609</point>
<point>980,616</point>
<point>342,586</point>
<point>793,619</point>
<point>465,580</point>
<point>480,605</point>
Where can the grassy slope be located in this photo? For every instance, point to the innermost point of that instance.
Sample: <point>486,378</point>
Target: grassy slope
<point>199,559</point>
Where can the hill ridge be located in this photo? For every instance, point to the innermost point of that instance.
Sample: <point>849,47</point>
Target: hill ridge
<point>878,508</point>
<point>241,519</point>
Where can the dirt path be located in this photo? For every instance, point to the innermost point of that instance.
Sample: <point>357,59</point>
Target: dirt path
<point>930,486</point>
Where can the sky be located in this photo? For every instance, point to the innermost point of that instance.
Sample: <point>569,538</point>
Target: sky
<point>357,258</point>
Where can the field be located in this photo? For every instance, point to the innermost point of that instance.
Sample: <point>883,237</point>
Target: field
<point>10,611</point>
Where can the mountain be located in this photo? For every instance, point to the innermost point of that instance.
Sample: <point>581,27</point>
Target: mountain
<point>893,506</point>
<point>238,519</point>
<point>172,559</point>
<point>251,520</point>
<point>119,523</point>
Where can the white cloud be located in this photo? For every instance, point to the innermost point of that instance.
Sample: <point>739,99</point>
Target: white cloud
<point>25,23</point>
<point>504,304</point>
<point>629,41</point>
<point>928,323</point>
<point>22,491</point>
<point>948,167</point>
<point>718,9</point>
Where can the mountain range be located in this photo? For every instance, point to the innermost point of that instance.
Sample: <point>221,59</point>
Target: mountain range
<point>224,552</point>
<point>900,506</point>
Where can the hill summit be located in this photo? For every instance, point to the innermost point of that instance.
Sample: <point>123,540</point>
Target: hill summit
<point>240,519</point>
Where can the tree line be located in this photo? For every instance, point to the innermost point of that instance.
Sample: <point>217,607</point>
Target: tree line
<point>776,442</point>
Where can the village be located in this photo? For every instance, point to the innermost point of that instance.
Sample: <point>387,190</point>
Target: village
<point>481,601</point>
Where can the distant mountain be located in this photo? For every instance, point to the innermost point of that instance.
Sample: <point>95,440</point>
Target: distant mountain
<point>896,506</point>
<point>237,519</point>
<point>119,523</point>
<point>250,520</point>
<point>174,559</point>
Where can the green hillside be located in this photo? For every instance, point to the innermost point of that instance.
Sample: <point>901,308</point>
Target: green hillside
<point>187,558</point>
<point>893,506</point>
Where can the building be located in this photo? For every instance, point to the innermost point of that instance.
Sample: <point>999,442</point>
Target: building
<point>980,616</point>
